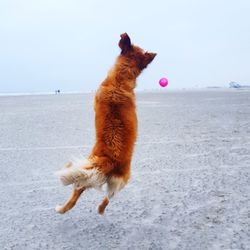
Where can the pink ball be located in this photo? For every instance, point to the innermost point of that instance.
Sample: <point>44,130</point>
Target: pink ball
<point>163,82</point>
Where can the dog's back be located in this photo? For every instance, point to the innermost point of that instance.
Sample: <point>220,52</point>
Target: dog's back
<point>116,127</point>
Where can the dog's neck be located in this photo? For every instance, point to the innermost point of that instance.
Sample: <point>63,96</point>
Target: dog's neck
<point>123,75</point>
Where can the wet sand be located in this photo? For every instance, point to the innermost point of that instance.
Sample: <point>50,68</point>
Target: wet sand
<point>190,185</point>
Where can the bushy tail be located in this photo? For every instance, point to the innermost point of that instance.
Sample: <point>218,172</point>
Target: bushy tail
<point>71,175</point>
<point>80,174</point>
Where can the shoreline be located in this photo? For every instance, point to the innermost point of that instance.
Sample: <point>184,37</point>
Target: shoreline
<point>136,91</point>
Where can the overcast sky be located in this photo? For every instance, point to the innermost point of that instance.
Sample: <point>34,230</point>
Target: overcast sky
<point>70,45</point>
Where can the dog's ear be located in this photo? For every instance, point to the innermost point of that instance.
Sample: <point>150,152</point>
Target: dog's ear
<point>125,43</point>
<point>148,58</point>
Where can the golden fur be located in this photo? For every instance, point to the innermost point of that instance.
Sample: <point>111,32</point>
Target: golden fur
<point>116,129</point>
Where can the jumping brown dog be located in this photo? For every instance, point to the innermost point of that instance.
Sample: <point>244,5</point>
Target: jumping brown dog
<point>116,130</point>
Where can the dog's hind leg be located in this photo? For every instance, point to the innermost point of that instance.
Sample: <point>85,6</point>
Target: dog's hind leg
<point>71,201</point>
<point>104,204</point>
<point>115,184</point>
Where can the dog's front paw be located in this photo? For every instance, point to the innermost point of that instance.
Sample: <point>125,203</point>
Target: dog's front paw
<point>59,209</point>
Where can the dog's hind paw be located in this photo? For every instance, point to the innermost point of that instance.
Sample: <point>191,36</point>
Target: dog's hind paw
<point>59,209</point>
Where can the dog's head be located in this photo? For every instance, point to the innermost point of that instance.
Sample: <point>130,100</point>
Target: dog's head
<point>134,54</point>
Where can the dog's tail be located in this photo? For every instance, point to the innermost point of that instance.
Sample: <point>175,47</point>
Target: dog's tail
<point>70,175</point>
<point>80,173</point>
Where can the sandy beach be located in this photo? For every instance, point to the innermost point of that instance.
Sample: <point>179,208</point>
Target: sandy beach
<point>190,184</point>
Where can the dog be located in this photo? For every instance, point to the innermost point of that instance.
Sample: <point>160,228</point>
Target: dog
<point>116,130</point>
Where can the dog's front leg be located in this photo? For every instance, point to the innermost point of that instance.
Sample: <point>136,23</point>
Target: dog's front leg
<point>71,201</point>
